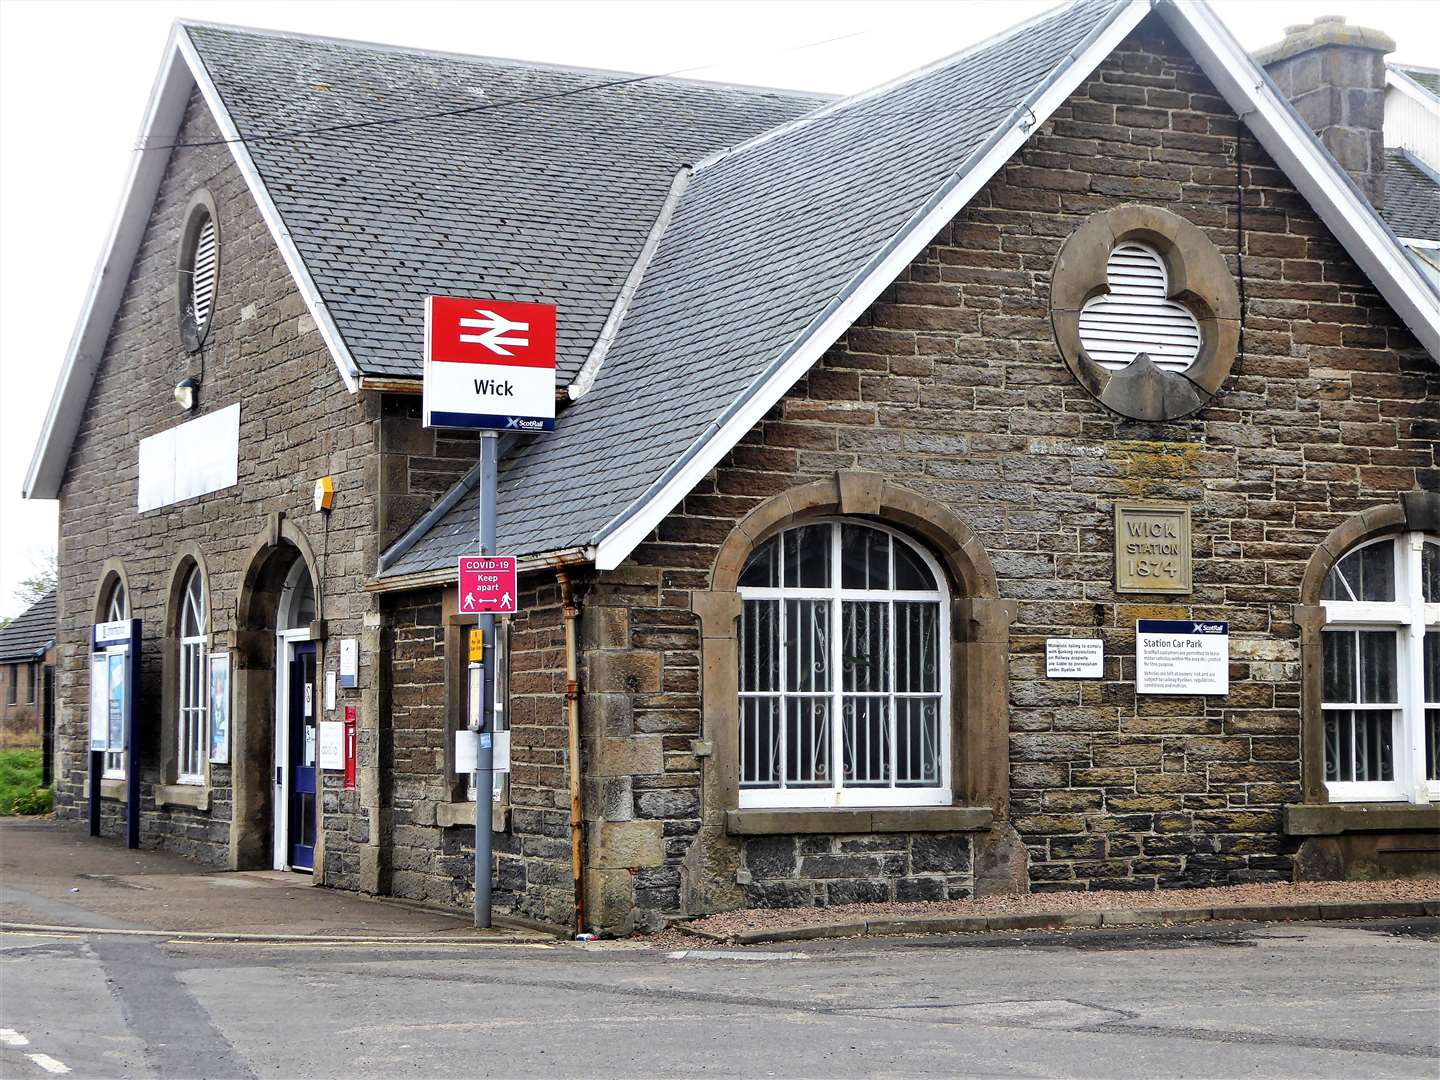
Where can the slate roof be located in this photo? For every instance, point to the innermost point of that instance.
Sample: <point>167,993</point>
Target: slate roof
<point>761,241</point>
<point>30,633</point>
<point>1412,196</point>
<point>549,198</point>
<point>1429,78</point>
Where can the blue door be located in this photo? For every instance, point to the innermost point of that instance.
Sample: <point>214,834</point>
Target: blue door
<point>303,733</point>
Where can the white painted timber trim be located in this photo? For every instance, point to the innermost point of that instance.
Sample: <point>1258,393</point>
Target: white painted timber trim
<point>614,546</point>
<point>314,303</point>
<point>1309,166</point>
<point>163,115</point>
<point>1413,90</point>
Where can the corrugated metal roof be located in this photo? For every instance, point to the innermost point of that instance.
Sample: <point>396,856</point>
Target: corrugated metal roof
<point>31,632</point>
<point>762,240</point>
<point>543,191</point>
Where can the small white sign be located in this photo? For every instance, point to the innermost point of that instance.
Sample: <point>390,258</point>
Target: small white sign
<point>1182,657</point>
<point>1074,658</point>
<point>332,745</point>
<point>112,633</point>
<point>467,747</point>
<point>349,662</point>
<point>189,460</point>
<point>329,691</point>
<point>502,751</point>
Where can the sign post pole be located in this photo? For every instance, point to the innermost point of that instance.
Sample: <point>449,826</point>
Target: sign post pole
<point>489,366</point>
<point>485,751</point>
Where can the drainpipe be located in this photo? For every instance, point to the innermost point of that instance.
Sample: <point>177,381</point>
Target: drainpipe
<point>572,723</point>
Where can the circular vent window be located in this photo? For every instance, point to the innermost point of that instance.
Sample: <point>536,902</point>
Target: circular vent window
<point>199,270</point>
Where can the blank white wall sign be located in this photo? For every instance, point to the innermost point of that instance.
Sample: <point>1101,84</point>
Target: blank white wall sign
<point>189,460</point>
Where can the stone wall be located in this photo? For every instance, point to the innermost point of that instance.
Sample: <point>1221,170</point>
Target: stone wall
<point>428,824</point>
<point>951,385</point>
<point>297,422</point>
<point>799,871</point>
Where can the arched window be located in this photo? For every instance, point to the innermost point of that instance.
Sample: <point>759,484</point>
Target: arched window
<point>1381,671</point>
<point>117,605</point>
<point>116,609</point>
<point>192,719</point>
<point>844,670</point>
<point>297,598</point>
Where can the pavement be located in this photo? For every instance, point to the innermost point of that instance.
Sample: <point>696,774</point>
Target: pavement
<point>54,874</point>
<point>339,986</point>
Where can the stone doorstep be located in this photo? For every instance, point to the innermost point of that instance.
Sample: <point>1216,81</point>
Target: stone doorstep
<point>974,924</point>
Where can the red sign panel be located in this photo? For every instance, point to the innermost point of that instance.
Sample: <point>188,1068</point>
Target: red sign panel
<point>487,584</point>
<point>350,749</point>
<point>470,331</point>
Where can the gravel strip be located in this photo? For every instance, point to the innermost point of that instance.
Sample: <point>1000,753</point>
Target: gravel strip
<point>730,923</point>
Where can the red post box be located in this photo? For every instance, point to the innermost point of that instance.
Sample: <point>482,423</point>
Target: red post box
<point>349,747</point>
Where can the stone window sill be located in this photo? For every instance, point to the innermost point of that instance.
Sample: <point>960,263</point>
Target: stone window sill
<point>113,788</point>
<point>1332,819</point>
<point>194,796</point>
<point>867,820</point>
<point>456,815</point>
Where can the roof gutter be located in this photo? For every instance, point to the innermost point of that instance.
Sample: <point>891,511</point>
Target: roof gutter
<point>446,575</point>
<point>843,309</point>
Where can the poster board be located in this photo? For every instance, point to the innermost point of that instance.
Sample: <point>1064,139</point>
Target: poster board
<point>220,708</point>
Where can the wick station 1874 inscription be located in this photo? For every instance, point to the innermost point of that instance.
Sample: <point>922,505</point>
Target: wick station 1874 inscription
<point>1152,548</point>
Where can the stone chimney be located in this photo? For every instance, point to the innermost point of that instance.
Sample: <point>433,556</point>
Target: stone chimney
<point>1334,75</point>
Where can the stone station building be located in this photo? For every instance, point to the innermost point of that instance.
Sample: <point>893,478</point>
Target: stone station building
<point>871,406</point>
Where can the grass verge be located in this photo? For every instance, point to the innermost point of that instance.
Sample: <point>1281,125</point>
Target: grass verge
<point>20,790</point>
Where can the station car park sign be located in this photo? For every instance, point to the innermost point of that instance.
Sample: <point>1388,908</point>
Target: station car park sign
<point>1182,656</point>
<point>489,364</point>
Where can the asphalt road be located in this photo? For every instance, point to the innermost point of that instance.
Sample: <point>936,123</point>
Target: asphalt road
<point>1311,1000</point>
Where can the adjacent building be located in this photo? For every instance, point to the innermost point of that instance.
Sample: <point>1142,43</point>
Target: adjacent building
<point>1020,476</point>
<point>27,664</point>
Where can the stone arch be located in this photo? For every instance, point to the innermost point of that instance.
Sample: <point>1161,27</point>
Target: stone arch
<point>864,494</point>
<point>263,568</point>
<point>980,647</point>
<point>1415,511</point>
<point>111,574</point>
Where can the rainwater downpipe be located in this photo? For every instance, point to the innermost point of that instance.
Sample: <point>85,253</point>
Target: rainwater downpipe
<point>572,725</point>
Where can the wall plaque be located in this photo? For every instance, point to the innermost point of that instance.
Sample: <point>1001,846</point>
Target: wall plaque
<point>1152,547</point>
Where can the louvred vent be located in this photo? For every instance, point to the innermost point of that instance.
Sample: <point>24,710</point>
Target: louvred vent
<point>203,271</point>
<point>1135,315</point>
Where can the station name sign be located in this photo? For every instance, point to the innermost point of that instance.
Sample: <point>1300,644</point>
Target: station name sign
<point>489,364</point>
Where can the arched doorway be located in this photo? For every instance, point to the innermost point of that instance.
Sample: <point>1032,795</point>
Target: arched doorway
<point>275,821</point>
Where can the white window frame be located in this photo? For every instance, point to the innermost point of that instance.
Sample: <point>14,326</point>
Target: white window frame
<point>117,609</point>
<point>193,719</point>
<point>837,795</point>
<point>1408,617</point>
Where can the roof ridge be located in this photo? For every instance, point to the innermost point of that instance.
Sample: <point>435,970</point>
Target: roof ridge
<point>892,84</point>
<point>444,54</point>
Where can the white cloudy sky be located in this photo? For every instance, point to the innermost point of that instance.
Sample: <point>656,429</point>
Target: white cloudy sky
<point>74,76</point>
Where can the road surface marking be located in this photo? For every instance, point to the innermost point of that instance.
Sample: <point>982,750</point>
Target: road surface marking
<point>11,1037</point>
<point>49,1064</point>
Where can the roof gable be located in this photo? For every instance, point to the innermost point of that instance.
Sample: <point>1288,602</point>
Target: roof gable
<point>387,174</point>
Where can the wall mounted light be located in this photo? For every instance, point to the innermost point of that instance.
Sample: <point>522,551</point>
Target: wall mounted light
<point>185,393</point>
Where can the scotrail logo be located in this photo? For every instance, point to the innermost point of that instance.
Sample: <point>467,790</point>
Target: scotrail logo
<point>520,423</point>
